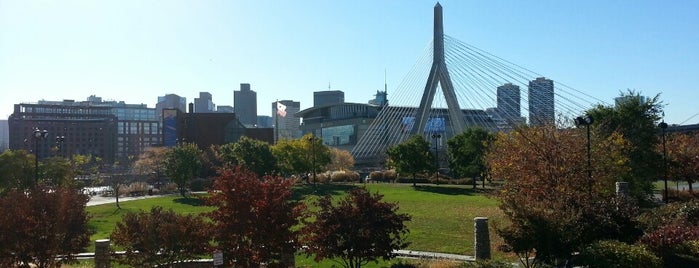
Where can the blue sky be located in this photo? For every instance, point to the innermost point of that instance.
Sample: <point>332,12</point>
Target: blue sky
<point>137,50</point>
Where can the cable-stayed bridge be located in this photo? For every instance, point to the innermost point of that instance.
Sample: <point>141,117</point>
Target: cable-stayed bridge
<point>454,86</point>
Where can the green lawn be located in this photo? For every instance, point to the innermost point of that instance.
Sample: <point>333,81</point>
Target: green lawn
<point>442,215</point>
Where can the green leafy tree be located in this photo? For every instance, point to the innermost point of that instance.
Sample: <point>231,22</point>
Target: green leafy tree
<point>58,172</point>
<point>42,226</point>
<point>553,206</point>
<point>411,156</point>
<point>636,119</point>
<point>183,163</point>
<point>466,152</point>
<point>160,238</point>
<point>301,156</point>
<point>255,218</point>
<point>255,155</point>
<point>359,229</point>
<point>16,170</point>
<point>291,156</point>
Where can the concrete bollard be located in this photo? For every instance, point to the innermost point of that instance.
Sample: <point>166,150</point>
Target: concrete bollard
<point>102,254</point>
<point>622,188</point>
<point>481,245</point>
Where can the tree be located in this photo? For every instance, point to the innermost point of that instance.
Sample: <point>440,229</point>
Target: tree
<point>340,159</point>
<point>182,164</point>
<point>359,229</point>
<point>291,157</point>
<point>16,170</point>
<point>466,152</point>
<point>636,119</point>
<point>152,162</point>
<point>58,172</point>
<point>253,218</point>
<point>683,157</point>
<point>255,155</point>
<point>411,156</point>
<point>42,226</point>
<point>301,156</point>
<point>554,207</point>
<point>160,238</point>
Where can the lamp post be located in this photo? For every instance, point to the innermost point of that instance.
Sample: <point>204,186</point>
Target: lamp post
<point>38,136</point>
<point>59,144</point>
<point>663,126</point>
<point>436,138</point>
<point>313,155</point>
<point>587,121</point>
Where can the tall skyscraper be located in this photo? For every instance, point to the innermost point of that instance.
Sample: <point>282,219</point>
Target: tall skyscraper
<point>323,98</point>
<point>541,102</point>
<point>204,104</point>
<point>245,105</point>
<point>508,102</point>
<point>285,120</point>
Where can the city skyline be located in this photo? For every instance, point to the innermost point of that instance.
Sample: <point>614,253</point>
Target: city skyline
<point>135,51</point>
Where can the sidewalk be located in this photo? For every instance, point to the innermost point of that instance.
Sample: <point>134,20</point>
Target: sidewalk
<point>100,200</point>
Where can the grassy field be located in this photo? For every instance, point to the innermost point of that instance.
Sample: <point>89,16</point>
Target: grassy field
<point>442,215</point>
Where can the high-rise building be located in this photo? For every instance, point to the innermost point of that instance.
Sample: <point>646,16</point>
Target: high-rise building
<point>541,102</point>
<point>204,104</point>
<point>245,105</point>
<point>264,121</point>
<point>286,124</point>
<point>170,101</point>
<point>508,102</point>
<point>4,136</point>
<point>225,109</point>
<point>328,97</point>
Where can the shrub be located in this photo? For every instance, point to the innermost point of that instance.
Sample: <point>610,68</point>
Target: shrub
<point>390,175</point>
<point>43,226</point>
<point>686,213</point>
<point>376,176</point>
<point>344,176</point>
<point>359,229</point>
<point>160,237</point>
<point>610,253</point>
<point>682,196</point>
<point>664,240</point>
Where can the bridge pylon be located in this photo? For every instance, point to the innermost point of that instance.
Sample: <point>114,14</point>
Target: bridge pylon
<point>439,75</point>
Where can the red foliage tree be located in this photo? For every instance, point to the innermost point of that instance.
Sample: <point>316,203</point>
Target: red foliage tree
<point>682,151</point>
<point>554,206</point>
<point>160,237</point>
<point>44,227</point>
<point>361,228</point>
<point>253,217</point>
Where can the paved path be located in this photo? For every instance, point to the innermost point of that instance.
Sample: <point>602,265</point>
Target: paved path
<point>100,200</point>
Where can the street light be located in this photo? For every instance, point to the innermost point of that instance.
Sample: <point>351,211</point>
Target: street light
<point>38,135</point>
<point>587,121</point>
<point>313,139</point>
<point>59,144</point>
<point>436,138</point>
<point>663,126</point>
